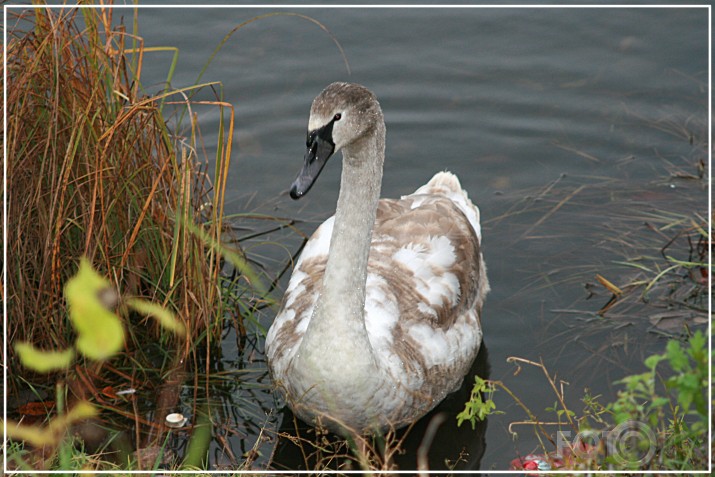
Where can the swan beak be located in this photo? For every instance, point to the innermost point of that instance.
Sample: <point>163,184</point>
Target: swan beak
<point>320,148</point>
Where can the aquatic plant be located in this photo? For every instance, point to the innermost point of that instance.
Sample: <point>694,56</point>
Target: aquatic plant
<point>99,168</point>
<point>657,421</point>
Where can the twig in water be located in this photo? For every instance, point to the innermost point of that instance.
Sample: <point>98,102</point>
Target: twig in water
<point>551,212</point>
<point>422,461</point>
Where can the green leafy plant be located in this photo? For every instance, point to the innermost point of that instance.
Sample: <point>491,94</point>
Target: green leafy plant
<point>100,333</point>
<point>688,379</point>
<point>100,336</point>
<point>691,373</point>
<point>480,404</point>
<point>658,419</point>
<point>677,409</point>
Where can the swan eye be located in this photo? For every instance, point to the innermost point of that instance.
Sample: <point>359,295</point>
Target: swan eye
<point>337,117</point>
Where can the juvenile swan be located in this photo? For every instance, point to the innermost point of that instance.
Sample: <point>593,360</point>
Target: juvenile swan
<point>381,317</point>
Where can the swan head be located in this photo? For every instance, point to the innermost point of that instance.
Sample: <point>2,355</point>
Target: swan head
<point>341,115</point>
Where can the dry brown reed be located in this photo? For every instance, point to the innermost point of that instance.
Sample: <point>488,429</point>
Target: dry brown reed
<point>93,170</point>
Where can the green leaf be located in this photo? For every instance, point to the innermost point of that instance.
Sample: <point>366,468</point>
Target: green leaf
<point>54,432</point>
<point>100,331</point>
<point>165,317</point>
<point>697,348</point>
<point>652,361</point>
<point>241,264</point>
<point>698,340</point>
<point>477,408</point>
<point>659,402</point>
<point>36,436</point>
<point>43,361</point>
<point>676,356</point>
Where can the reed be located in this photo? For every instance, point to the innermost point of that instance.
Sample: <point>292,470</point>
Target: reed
<point>94,170</point>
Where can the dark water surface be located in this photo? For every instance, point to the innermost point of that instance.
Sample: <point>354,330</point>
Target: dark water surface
<point>562,124</point>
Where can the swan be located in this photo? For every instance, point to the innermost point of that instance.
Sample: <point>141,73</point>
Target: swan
<point>381,318</point>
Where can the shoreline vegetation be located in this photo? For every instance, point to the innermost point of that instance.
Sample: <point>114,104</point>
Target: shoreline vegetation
<point>108,186</point>
<point>95,171</point>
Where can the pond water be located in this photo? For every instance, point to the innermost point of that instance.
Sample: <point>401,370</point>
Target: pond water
<point>563,124</point>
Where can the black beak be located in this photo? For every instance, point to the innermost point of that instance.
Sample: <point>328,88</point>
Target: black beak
<point>320,148</point>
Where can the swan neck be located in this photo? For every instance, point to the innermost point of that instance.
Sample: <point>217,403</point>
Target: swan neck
<point>346,270</point>
<point>341,307</point>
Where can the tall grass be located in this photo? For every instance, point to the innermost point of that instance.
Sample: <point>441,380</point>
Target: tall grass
<point>94,170</point>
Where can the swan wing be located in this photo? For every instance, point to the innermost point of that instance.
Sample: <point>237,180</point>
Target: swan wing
<point>425,289</point>
<point>301,295</point>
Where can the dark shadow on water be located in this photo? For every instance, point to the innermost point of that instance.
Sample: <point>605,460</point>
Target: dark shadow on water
<point>452,447</point>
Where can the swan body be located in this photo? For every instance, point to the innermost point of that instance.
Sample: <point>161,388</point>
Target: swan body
<point>381,317</point>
